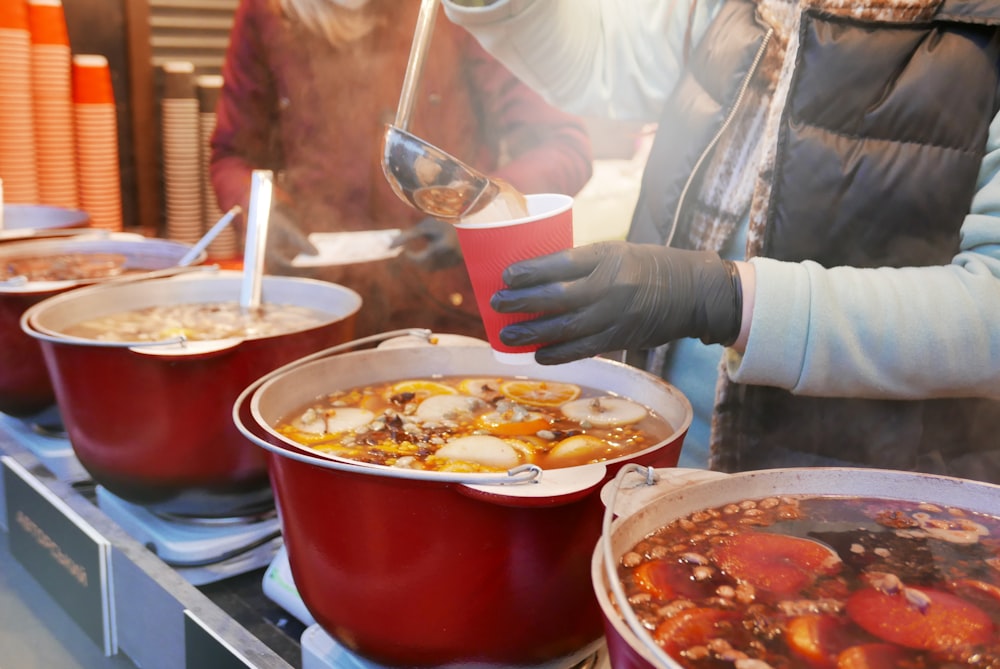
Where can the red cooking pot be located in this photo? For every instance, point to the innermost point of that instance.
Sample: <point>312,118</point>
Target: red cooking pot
<point>435,569</point>
<point>645,500</point>
<point>150,422</point>
<point>25,387</point>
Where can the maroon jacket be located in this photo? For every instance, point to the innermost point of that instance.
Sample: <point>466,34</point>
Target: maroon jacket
<point>316,115</point>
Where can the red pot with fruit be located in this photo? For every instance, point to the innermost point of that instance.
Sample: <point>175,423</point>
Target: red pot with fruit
<point>149,418</point>
<point>814,567</point>
<point>421,567</point>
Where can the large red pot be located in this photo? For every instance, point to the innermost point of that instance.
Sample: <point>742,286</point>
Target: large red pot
<point>151,423</point>
<point>416,568</point>
<point>674,493</point>
<point>25,387</point>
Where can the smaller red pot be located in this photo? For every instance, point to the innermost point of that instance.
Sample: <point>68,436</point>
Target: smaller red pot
<point>643,505</point>
<point>25,386</point>
<point>151,422</point>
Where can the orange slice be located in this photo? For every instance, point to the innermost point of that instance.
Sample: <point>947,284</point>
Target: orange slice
<point>872,656</point>
<point>480,387</point>
<point>693,627</point>
<point>667,579</point>
<point>540,393</point>
<point>922,618</point>
<point>817,638</point>
<point>422,388</point>
<point>774,563</point>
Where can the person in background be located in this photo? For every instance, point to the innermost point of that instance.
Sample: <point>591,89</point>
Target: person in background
<point>820,214</point>
<point>308,88</point>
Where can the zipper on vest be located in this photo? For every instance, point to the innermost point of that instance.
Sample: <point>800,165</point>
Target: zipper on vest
<point>718,135</point>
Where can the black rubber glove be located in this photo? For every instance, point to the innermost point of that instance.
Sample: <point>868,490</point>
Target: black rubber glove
<point>431,243</point>
<point>284,240</point>
<point>612,296</point>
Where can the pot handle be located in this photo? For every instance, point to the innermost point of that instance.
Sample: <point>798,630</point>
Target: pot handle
<point>639,486</point>
<point>642,485</point>
<point>551,487</point>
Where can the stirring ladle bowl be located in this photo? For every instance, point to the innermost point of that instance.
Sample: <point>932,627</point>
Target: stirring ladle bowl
<point>432,180</point>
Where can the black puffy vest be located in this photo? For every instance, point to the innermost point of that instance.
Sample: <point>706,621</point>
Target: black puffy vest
<point>880,146</point>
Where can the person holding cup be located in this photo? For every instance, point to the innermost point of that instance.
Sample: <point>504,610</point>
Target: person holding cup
<point>819,217</point>
<point>308,88</point>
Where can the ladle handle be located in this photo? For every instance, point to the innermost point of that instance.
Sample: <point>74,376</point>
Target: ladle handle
<point>415,66</point>
<point>258,216</point>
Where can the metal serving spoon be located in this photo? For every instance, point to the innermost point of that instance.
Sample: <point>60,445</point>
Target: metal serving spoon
<point>429,179</point>
<point>258,218</point>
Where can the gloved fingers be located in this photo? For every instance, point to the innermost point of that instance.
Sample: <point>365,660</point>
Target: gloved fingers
<point>563,338</point>
<point>554,297</point>
<point>440,248</point>
<point>293,241</point>
<point>560,266</point>
<point>407,236</point>
<point>574,349</point>
<point>420,257</point>
<point>579,324</point>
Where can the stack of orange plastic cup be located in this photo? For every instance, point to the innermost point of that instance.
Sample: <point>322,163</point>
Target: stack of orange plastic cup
<point>97,141</point>
<point>17,122</point>
<point>53,104</point>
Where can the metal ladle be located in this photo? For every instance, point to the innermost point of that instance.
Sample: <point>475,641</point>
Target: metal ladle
<point>258,217</point>
<point>429,179</point>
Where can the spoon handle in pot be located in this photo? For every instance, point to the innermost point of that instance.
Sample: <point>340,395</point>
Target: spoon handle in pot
<point>258,216</point>
<point>209,236</point>
<point>415,65</point>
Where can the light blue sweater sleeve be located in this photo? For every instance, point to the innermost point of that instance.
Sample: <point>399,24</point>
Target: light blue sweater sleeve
<point>885,333</point>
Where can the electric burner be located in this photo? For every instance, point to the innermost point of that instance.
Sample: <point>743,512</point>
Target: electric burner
<point>202,550</point>
<point>321,651</point>
<point>279,587</point>
<point>49,445</point>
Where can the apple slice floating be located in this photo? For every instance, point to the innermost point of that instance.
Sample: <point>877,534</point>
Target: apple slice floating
<point>604,411</point>
<point>482,449</point>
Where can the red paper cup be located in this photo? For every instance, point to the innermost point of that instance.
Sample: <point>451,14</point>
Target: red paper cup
<point>489,248</point>
<point>91,78</point>
<point>14,14</point>
<point>47,22</point>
